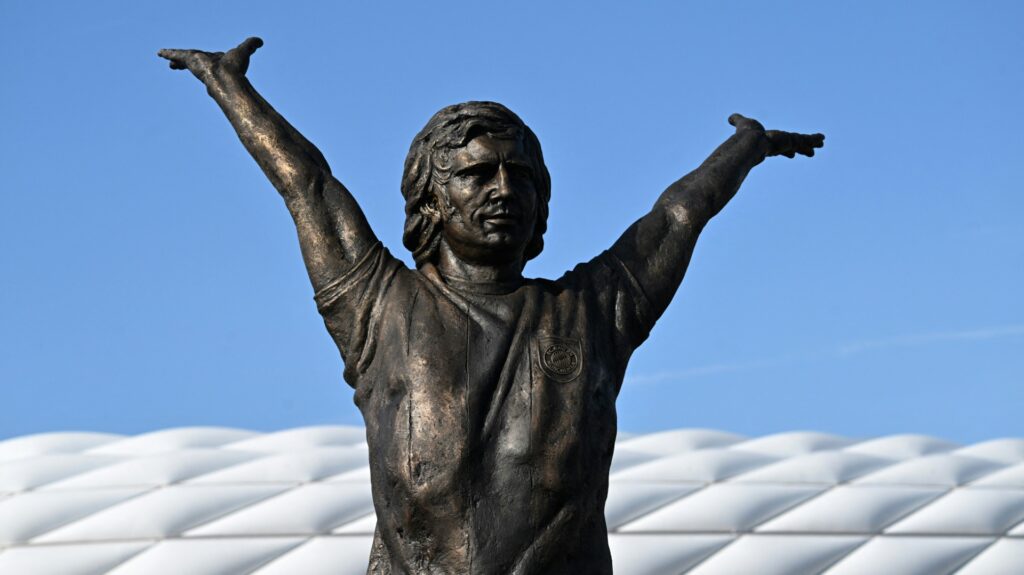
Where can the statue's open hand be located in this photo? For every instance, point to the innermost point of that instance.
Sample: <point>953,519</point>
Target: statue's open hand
<point>781,143</point>
<point>205,65</point>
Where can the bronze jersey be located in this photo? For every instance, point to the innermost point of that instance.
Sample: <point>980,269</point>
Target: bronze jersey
<point>490,411</point>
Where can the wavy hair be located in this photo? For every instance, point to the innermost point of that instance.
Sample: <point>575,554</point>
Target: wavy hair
<point>428,169</point>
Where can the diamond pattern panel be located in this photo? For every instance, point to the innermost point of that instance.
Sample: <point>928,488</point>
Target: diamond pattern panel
<point>770,555</point>
<point>96,559</point>
<point>911,555</point>
<point>160,513</point>
<point>200,556</point>
<point>726,507</point>
<point>853,509</point>
<point>212,501</point>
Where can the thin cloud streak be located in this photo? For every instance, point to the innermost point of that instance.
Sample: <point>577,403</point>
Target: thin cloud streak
<point>844,350</point>
<point>932,337</point>
<point>713,369</point>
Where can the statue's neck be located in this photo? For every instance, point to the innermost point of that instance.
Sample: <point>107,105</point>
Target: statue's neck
<point>450,265</point>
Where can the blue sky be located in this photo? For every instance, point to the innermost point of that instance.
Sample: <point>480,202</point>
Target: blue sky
<point>151,277</point>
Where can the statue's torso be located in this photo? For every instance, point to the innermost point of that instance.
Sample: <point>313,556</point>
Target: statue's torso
<point>490,419</point>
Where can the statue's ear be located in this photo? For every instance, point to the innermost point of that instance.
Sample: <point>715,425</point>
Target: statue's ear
<point>436,205</point>
<point>430,208</point>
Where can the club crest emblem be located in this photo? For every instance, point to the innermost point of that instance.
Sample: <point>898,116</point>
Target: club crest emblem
<point>561,358</point>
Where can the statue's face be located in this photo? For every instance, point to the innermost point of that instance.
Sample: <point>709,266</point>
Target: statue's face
<point>492,200</point>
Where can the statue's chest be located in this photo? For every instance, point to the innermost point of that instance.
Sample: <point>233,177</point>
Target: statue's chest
<point>501,389</point>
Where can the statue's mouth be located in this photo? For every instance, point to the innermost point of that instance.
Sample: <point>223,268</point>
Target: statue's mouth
<point>501,218</point>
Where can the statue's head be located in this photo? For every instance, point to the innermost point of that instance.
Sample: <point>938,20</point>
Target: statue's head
<point>475,178</point>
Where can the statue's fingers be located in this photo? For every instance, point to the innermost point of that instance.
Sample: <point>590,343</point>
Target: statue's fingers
<point>176,57</point>
<point>811,142</point>
<point>169,54</point>
<point>800,144</point>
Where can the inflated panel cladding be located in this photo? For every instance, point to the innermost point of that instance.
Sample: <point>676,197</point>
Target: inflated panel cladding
<point>216,500</point>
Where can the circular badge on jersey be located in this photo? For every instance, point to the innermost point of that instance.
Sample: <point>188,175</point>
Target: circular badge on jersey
<point>561,358</point>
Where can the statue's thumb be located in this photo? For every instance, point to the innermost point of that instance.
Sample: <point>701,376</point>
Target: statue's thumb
<point>250,45</point>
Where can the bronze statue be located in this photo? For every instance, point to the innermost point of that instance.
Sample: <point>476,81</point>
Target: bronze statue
<point>489,398</point>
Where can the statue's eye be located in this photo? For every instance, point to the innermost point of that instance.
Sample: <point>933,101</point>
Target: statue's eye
<point>477,171</point>
<point>520,171</point>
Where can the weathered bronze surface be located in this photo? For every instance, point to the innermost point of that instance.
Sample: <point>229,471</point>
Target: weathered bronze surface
<point>489,398</point>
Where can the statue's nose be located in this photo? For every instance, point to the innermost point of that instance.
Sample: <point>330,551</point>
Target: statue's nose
<point>502,182</point>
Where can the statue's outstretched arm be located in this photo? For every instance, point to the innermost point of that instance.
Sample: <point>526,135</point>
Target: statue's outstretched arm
<point>333,231</point>
<point>657,248</point>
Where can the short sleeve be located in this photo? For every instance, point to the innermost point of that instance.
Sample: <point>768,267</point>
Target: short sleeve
<point>618,299</point>
<point>351,306</point>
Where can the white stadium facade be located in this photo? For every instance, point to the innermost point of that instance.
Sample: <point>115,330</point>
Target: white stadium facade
<point>217,501</point>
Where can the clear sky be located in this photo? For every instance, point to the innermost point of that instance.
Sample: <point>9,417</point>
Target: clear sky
<point>151,277</point>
